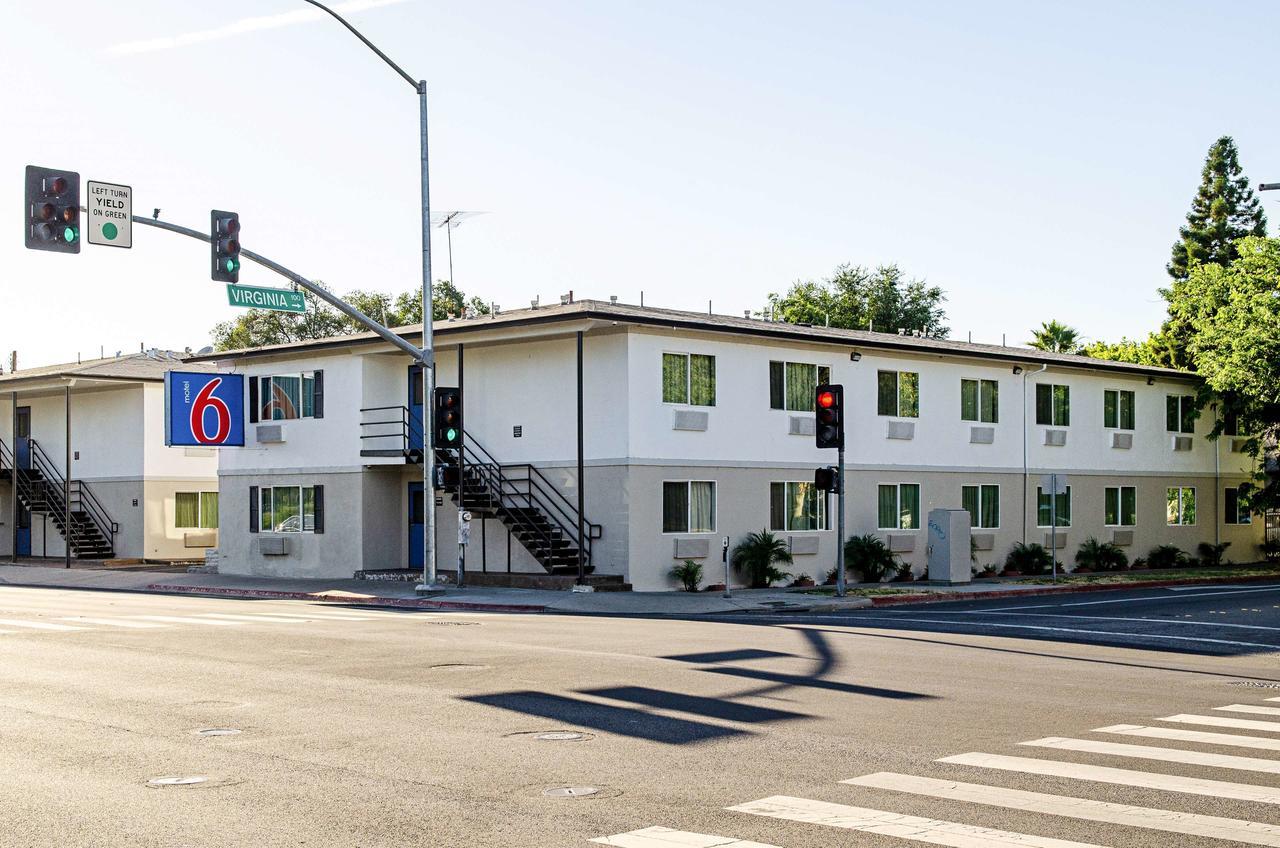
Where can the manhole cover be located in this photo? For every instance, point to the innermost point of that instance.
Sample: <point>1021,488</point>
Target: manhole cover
<point>1255,684</point>
<point>217,731</point>
<point>570,791</point>
<point>177,781</point>
<point>561,736</point>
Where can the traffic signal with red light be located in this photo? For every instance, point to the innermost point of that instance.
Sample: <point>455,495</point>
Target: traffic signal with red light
<point>829,403</point>
<point>53,210</point>
<point>224,243</point>
<point>448,418</point>
<point>827,479</point>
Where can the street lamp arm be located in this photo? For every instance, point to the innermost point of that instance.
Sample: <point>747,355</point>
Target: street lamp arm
<point>367,43</point>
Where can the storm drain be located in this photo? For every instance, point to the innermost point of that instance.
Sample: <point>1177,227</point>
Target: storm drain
<point>570,791</point>
<point>186,780</point>
<point>217,731</point>
<point>1255,684</point>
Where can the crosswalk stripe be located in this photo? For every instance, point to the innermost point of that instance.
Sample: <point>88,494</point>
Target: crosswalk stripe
<point>112,622</point>
<point>665,837</point>
<point>1190,824</point>
<point>912,828</point>
<point>37,625</point>
<point>1122,777</point>
<point>177,619</point>
<point>1203,736</point>
<point>318,616</point>
<point>1167,755</point>
<point>266,618</point>
<point>1223,721</point>
<point>1250,708</point>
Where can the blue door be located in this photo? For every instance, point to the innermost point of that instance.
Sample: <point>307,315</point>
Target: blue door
<point>22,458</point>
<point>417,517</point>
<point>414,394</point>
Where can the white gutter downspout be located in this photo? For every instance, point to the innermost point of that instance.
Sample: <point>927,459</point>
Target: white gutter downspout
<point>1043,368</point>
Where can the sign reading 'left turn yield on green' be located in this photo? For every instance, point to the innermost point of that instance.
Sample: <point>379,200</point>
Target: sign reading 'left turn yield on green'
<point>254,297</point>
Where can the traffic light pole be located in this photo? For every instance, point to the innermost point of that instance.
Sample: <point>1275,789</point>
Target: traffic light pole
<point>840,524</point>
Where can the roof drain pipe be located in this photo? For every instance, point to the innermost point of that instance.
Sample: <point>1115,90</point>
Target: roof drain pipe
<point>1043,368</point>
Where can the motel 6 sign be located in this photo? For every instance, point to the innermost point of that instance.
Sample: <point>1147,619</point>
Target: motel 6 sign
<point>203,410</point>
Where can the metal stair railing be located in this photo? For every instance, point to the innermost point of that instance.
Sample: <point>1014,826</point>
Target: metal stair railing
<point>83,502</point>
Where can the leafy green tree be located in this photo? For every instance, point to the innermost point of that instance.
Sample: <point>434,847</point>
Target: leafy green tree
<point>1056,337</point>
<point>1150,351</point>
<point>755,556</point>
<point>859,298</point>
<point>1225,209</point>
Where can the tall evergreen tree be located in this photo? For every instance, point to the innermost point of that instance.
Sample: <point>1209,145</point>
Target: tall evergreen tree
<point>1225,209</point>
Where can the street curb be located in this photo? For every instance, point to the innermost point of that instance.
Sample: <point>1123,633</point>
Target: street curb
<point>399,603</point>
<point>944,597</point>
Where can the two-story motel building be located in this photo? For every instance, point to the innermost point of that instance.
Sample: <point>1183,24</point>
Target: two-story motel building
<point>695,427</point>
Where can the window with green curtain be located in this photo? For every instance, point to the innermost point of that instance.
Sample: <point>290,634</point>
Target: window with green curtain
<point>777,506</point>
<point>286,397</point>
<point>209,510</point>
<point>1188,506</point>
<point>824,375</point>
<point>1234,509</point>
<point>887,393</point>
<point>969,500</point>
<point>1128,506</point>
<point>909,394</point>
<point>887,508</point>
<point>264,512</point>
<point>286,507</point>
<point>988,401</point>
<point>308,395</point>
<point>1127,417</point>
<point>308,508</point>
<point>1110,408</point>
<point>801,381</point>
<point>675,378</point>
<point>702,507</point>
<point>909,506</point>
<point>1061,406</point>
<point>969,403</point>
<point>990,507</point>
<point>702,380</point>
<point>186,513</point>
<point>1044,404</point>
<point>1171,413</point>
<point>1044,514</point>
<point>675,507</point>
<point>1187,419</point>
<point>805,507</point>
<point>777,386</point>
<point>1111,506</point>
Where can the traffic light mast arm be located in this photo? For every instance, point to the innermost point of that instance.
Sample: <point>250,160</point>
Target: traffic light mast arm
<point>329,298</point>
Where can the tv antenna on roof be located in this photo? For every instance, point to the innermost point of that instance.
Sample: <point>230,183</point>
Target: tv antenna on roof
<point>450,221</point>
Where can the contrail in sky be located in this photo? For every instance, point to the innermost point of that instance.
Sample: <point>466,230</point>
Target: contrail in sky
<point>285,19</point>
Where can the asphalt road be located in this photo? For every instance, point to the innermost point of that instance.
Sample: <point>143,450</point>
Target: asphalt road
<point>379,728</point>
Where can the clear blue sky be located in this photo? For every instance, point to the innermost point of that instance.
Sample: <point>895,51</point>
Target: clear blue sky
<point>1034,160</point>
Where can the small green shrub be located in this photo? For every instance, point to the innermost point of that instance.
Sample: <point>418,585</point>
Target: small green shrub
<point>1166,556</point>
<point>1211,554</point>
<point>905,574</point>
<point>869,557</point>
<point>755,556</point>
<point>1028,559</point>
<point>689,573</point>
<point>1101,556</point>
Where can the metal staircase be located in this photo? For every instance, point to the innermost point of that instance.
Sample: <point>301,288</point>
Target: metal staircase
<point>42,490</point>
<point>518,494</point>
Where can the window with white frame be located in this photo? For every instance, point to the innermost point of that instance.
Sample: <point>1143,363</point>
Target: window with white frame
<point>1120,506</point>
<point>980,401</point>
<point>291,509</point>
<point>1045,508</point>
<point>983,503</point>
<point>689,378</point>
<point>792,384</point>
<point>1053,405</point>
<point>688,506</point>
<point>284,397</point>
<point>195,510</point>
<point>898,506</point>
<point>1180,413</point>
<point>1180,506</point>
<point>898,394</point>
<point>1235,510</point>
<point>797,506</point>
<point>1117,409</point>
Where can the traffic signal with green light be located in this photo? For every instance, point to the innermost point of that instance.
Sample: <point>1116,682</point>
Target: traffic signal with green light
<point>224,242</point>
<point>53,210</point>
<point>448,418</point>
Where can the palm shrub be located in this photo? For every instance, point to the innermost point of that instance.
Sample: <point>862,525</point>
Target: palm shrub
<point>755,556</point>
<point>1166,556</point>
<point>1101,556</point>
<point>1028,559</point>
<point>689,573</point>
<point>870,557</point>
<point>1211,554</point>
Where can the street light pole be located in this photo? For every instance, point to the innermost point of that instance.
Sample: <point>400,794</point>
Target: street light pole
<point>426,355</point>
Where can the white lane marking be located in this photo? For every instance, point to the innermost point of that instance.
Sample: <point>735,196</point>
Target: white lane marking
<point>1128,600</point>
<point>266,618</point>
<point>318,616</point>
<point>1202,736</point>
<point>1165,755</point>
<point>1182,621</point>
<point>1250,708</point>
<point>112,622</point>
<point>1223,721</point>
<point>1076,631</point>
<point>1121,777</point>
<point>37,625</point>
<point>177,619</point>
<point>1220,586</point>
<point>665,837</point>
<point>1190,824</point>
<point>913,828</point>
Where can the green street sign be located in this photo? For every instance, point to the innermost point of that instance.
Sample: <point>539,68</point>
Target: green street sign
<point>255,297</point>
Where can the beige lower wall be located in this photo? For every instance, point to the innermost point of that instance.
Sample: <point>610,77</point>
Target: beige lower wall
<point>161,539</point>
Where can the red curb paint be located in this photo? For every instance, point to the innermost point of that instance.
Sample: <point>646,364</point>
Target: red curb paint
<point>940,597</point>
<point>401,603</point>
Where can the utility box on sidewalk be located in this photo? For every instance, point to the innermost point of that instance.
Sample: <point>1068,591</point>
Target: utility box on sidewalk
<point>949,555</point>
